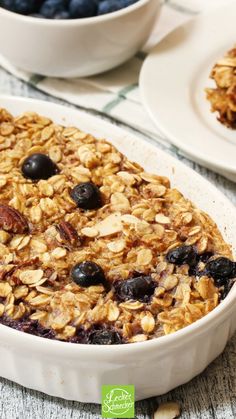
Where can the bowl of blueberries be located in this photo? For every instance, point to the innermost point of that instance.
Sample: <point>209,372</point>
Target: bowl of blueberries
<point>74,38</point>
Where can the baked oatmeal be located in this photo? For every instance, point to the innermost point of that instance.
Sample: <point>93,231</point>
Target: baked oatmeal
<point>93,248</point>
<point>223,97</point>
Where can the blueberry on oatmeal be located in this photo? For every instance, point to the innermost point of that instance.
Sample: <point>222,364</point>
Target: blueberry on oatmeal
<point>221,269</point>
<point>86,274</point>
<point>194,269</point>
<point>225,289</point>
<point>204,257</point>
<point>38,166</point>
<point>87,196</point>
<point>140,288</point>
<point>181,255</point>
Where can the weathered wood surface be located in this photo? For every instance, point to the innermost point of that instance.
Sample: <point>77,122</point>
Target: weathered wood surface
<point>210,395</point>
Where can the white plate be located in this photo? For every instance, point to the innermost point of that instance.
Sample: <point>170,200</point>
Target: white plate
<point>173,79</point>
<point>77,372</point>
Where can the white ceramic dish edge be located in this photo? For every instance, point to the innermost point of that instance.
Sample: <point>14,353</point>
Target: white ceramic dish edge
<point>77,372</point>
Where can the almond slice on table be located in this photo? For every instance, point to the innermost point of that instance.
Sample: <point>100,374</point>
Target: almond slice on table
<point>168,410</point>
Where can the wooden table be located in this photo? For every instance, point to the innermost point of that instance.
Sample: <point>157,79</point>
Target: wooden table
<point>210,395</point>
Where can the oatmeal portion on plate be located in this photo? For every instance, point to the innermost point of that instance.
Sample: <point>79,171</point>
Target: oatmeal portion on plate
<point>93,248</point>
<point>223,97</point>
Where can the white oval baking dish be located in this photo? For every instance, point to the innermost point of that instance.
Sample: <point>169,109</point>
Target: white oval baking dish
<point>77,372</point>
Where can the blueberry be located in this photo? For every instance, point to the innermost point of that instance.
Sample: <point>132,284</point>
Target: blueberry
<point>62,15</point>
<point>204,257</point>
<point>87,273</point>
<point>24,7</point>
<point>140,288</point>
<point>8,4</point>
<point>24,324</point>
<point>38,166</point>
<point>82,8</point>
<point>108,6</point>
<point>51,8</point>
<point>194,269</point>
<point>104,337</point>
<point>226,289</point>
<point>86,196</point>
<point>221,269</point>
<point>181,255</point>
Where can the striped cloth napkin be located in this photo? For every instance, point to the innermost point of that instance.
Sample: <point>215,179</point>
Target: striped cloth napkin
<point>117,92</point>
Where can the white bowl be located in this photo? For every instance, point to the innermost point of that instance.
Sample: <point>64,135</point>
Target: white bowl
<point>77,371</point>
<point>78,47</point>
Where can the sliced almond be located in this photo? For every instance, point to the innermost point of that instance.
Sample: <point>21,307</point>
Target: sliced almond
<point>90,231</point>
<point>110,225</point>
<point>168,410</point>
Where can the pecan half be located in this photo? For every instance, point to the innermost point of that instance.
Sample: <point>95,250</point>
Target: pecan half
<point>68,234</point>
<point>12,220</point>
